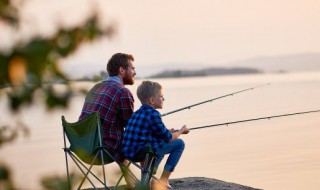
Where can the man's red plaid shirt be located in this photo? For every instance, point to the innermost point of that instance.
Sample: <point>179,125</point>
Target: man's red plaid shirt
<point>115,105</point>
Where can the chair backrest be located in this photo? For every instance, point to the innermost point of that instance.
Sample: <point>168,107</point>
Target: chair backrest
<point>85,138</point>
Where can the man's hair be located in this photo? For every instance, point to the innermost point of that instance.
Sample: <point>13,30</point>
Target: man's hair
<point>116,61</point>
<point>147,89</point>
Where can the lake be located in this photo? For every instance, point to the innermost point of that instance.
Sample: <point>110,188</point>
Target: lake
<point>281,153</point>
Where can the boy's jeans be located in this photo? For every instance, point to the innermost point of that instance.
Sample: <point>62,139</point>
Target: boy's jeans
<point>174,149</point>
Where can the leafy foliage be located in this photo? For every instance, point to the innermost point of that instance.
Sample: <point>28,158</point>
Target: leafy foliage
<point>5,178</point>
<point>31,67</point>
<point>35,65</point>
<point>8,12</point>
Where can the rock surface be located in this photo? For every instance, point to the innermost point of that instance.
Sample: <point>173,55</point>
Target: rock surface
<point>202,183</point>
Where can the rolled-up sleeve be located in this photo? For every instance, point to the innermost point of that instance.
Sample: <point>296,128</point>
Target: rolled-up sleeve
<point>159,130</point>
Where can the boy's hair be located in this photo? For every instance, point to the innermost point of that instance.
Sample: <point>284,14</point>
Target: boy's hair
<point>116,61</point>
<point>146,90</point>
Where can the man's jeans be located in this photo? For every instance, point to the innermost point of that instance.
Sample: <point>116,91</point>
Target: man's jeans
<point>174,149</point>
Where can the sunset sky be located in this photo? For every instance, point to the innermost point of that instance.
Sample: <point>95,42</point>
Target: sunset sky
<point>189,32</point>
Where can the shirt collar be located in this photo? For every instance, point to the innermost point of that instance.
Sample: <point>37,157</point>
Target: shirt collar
<point>114,78</point>
<point>148,106</point>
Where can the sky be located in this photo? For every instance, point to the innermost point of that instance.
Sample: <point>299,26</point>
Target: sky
<point>188,33</point>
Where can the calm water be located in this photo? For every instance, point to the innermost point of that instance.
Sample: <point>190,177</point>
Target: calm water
<point>280,153</point>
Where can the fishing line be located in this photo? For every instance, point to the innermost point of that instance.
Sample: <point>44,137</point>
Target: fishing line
<point>255,119</point>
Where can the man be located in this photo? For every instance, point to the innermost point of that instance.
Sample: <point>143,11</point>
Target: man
<point>113,102</point>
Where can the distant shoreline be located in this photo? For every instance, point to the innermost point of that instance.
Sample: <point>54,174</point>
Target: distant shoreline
<point>213,71</point>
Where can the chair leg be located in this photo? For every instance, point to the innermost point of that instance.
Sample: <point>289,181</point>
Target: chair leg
<point>76,161</point>
<point>122,174</point>
<point>123,167</point>
<point>67,166</point>
<point>103,171</point>
<point>150,168</point>
<point>125,170</point>
<point>147,170</point>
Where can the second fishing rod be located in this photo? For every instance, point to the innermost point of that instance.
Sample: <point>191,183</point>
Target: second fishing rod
<point>213,99</point>
<point>256,119</point>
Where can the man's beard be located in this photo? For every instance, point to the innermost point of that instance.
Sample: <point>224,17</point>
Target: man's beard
<point>128,79</point>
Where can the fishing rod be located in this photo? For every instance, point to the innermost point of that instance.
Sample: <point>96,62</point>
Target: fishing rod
<point>255,119</point>
<point>213,99</point>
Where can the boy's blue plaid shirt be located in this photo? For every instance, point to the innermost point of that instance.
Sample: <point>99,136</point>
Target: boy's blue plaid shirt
<point>144,127</point>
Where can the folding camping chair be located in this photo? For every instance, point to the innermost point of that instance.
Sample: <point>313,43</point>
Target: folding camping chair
<point>85,139</point>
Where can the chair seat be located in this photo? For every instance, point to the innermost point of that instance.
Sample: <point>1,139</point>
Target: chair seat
<point>141,154</point>
<point>90,159</point>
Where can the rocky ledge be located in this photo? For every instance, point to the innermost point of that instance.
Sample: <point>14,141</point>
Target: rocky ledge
<point>202,183</point>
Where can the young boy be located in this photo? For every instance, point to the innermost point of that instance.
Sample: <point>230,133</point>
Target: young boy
<point>145,127</point>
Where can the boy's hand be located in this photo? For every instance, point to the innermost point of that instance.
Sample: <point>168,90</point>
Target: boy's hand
<point>173,130</point>
<point>184,130</point>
